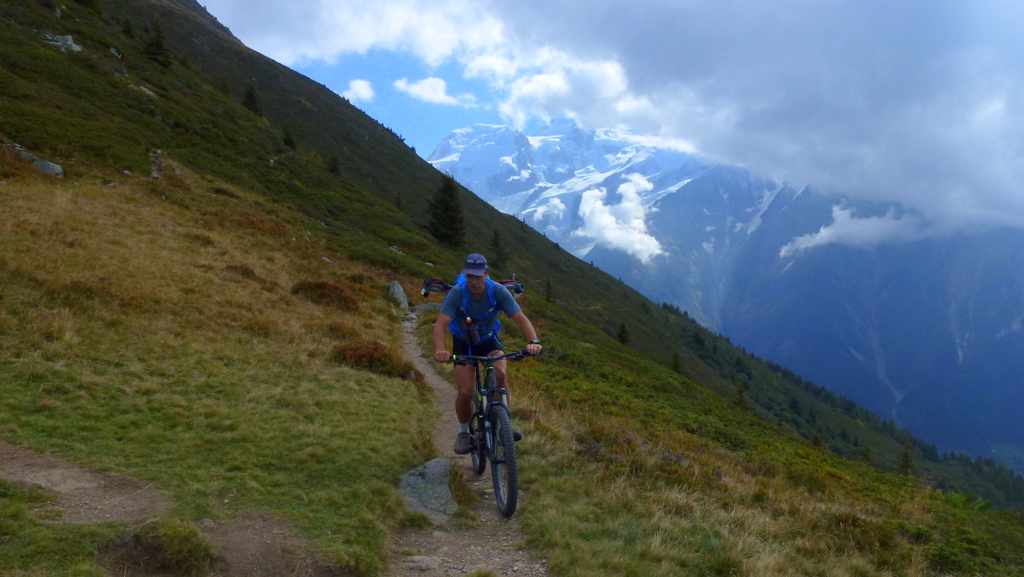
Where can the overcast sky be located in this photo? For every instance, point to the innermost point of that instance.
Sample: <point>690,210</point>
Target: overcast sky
<point>916,102</point>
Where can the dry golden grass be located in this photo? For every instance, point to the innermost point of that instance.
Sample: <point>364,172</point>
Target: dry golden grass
<point>162,246</point>
<point>696,510</point>
<point>149,327</point>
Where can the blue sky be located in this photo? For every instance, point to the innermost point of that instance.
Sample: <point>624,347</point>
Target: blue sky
<point>919,102</point>
<point>422,124</point>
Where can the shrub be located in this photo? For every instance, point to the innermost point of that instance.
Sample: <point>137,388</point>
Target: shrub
<point>373,356</point>
<point>176,545</point>
<point>326,294</point>
<point>341,330</point>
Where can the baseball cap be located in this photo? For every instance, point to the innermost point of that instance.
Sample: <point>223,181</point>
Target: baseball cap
<point>476,265</point>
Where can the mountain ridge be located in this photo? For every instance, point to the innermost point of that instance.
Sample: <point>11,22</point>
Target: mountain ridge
<point>725,238</point>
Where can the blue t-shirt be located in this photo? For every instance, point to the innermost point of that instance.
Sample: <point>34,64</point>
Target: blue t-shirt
<point>478,306</point>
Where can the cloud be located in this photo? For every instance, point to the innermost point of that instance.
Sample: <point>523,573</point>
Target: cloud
<point>920,103</point>
<point>554,207</point>
<point>620,226</point>
<point>359,90</point>
<point>323,30</point>
<point>847,229</point>
<point>433,90</point>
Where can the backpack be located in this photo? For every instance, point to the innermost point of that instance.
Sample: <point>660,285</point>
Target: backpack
<point>476,330</point>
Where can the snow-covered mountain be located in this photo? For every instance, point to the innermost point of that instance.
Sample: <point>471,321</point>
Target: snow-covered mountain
<point>545,177</point>
<point>924,331</point>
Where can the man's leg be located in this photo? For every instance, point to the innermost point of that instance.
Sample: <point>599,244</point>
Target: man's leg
<point>464,381</point>
<point>463,402</point>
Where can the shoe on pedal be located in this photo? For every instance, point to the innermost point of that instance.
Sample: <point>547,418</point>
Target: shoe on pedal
<point>516,436</point>
<point>463,443</point>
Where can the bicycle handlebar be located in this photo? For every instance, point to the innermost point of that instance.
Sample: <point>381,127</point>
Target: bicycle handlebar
<point>516,356</point>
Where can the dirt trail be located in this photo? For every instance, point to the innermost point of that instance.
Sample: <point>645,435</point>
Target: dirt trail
<point>493,543</point>
<point>82,496</point>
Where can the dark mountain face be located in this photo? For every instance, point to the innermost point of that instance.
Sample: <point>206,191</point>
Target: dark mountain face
<point>928,334</point>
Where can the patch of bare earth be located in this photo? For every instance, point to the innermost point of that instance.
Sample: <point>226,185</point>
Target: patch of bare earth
<point>491,543</point>
<point>251,545</point>
<point>82,496</point>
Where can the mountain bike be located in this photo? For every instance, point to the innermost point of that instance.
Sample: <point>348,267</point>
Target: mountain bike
<point>494,440</point>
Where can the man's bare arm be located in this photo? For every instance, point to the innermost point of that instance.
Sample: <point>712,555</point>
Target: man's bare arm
<point>526,327</point>
<point>441,354</point>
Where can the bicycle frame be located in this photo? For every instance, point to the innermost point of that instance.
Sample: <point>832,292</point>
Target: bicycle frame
<point>495,438</point>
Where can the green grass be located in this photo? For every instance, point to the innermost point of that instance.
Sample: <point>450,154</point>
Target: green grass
<point>633,469</point>
<point>32,547</point>
<point>136,351</point>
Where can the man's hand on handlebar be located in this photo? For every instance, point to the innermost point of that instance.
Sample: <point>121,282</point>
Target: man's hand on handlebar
<point>442,356</point>
<point>533,349</point>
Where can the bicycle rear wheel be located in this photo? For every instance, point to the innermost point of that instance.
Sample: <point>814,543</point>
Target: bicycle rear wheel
<point>503,462</point>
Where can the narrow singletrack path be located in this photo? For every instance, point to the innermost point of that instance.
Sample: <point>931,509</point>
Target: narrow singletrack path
<point>485,541</point>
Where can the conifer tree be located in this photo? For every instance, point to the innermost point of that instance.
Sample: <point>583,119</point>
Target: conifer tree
<point>252,101</point>
<point>549,296</point>
<point>741,393</point>
<point>675,362</point>
<point>623,334</point>
<point>499,254</point>
<point>906,462</point>
<point>155,49</point>
<point>289,141</point>
<point>447,223</point>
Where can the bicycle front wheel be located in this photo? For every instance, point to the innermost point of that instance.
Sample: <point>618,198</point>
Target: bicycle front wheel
<point>503,462</point>
<point>479,454</point>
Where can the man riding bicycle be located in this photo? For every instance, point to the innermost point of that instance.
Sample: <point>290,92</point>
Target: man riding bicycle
<point>470,313</point>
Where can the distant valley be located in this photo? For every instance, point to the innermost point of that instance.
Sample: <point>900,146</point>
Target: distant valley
<point>927,332</point>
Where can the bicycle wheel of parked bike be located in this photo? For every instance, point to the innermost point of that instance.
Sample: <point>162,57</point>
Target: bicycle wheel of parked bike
<point>479,454</point>
<point>503,464</point>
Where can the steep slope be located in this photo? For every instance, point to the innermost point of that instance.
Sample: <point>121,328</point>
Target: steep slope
<point>177,330</point>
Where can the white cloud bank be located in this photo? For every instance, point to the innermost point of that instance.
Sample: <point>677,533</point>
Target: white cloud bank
<point>620,226</point>
<point>553,207</point>
<point>921,104</point>
<point>359,90</point>
<point>847,229</point>
<point>322,30</point>
<point>435,91</point>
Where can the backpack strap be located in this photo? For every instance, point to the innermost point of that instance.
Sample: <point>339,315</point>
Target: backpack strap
<point>490,318</point>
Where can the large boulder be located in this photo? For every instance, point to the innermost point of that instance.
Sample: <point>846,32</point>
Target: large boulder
<point>42,165</point>
<point>65,43</point>
<point>425,490</point>
<point>397,294</point>
<point>50,168</point>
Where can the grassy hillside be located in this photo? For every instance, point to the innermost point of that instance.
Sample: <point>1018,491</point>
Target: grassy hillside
<point>115,103</point>
<point>162,328</point>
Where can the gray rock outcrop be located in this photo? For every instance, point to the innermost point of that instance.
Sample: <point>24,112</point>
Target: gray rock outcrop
<point>65,43</point>
<point>425,490</point>
<point>42,165</point>
<point>397,295</point>
<point>50,168</point>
